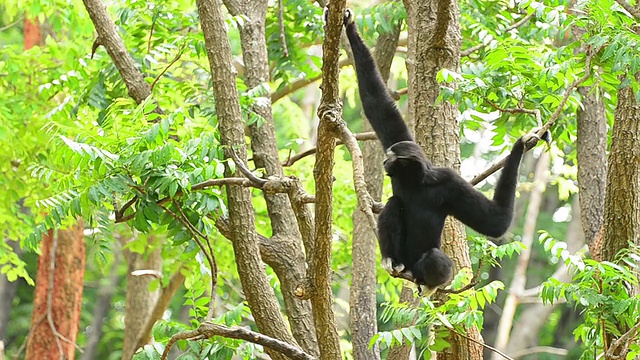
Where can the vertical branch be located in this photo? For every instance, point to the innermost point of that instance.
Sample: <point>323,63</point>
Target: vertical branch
<point>260,295</point>
<point>329,113</point>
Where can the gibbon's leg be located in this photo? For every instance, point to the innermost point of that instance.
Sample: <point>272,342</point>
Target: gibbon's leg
<point>490,217</point>
<point>378,106</point>
<point>391,233</point>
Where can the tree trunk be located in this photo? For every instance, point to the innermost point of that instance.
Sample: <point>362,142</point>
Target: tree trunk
<point>287,256</point>
<point>434,44</point>
<point>139,300</point>
<point>362,298</point>
<point>256,287</point>
<point>592,163</point>
<point>58,295</point>
<point>622,199</point>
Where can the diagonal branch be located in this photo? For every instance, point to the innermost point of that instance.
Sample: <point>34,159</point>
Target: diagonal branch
<point>208,330</point>
<point>108,37</point>
<point>630,9</point>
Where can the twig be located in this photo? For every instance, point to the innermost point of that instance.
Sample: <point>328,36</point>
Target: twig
<point>491,348</point>
<point>9,26</point>
<point>259,183</point>
<point>360,137</point>
<point>299,84</point>
<point>175,59</point>
<point>552,119</point>
<point>283,40</point>
<point>208,330</point>
<point>623,341</point>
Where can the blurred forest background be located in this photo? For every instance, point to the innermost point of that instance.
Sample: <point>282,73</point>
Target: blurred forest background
<point>129,233</point>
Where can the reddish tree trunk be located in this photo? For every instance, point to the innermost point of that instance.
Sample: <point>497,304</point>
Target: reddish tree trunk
<point>63,307</point>
<point>31,33</point>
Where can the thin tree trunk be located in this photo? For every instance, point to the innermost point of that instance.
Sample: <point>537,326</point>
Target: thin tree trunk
<point>139,300</point>
<point>256,287</point>
<point>622,199</point>
<point>58,295</point>
<point>434,43</point>
<point>288,261</point>
<point>519,280</point>
<point>362,297</point>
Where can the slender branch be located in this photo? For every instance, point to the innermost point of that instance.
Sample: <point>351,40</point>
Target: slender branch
<point>491,348</point>
<point>283,40</point>
<point>539,349</point>
<point>108,37</point>
<point>208,330</point>
<point>245,170</point>
<point>552,119</point>
<point>360,137</point>
<point>630,9</point>
<point>175,59</point>
<point>9,26</point>
<point>299,84</point>
<point>365,201</point>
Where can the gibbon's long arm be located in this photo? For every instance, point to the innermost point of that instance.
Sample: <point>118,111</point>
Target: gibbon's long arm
<point>378,106</point>
<point>488,217</point>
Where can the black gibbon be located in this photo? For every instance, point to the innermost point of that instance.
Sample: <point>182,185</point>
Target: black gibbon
<point>410,224</point>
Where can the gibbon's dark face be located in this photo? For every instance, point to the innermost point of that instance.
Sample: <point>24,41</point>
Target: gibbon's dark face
<point>405,158</point>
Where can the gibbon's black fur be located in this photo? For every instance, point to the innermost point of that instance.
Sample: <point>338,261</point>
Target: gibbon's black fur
<point>410,224</point>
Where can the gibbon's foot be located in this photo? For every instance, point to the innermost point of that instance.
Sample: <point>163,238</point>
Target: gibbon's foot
<point>348,17</point>
<point>387,264</point>
<point>426,291</point>
<point>346,20</point>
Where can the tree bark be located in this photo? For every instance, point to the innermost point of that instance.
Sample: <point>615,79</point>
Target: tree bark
<point>58,295</point>
<point>260,296</point>
<point>592,162</point>
<point>434,44</point>
<point>362,297</point>
<point>139,300</point>
<point>288,261</point>
<point>622,199</point>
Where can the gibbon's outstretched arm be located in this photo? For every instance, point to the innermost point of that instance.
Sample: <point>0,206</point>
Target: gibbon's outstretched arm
<point>378,106</point>
<point>489,217</point>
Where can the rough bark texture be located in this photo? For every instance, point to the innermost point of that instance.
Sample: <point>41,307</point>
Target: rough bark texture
<point>108,37</point>
<point>58,296</point>
<point>622,200</point>
<point>287,258</point>
<point>592,161</point>
<point>256,287</point>
<point>362,297</point>
<point>434,44</point>
<point>329,113</point>
<point>139,301</point>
